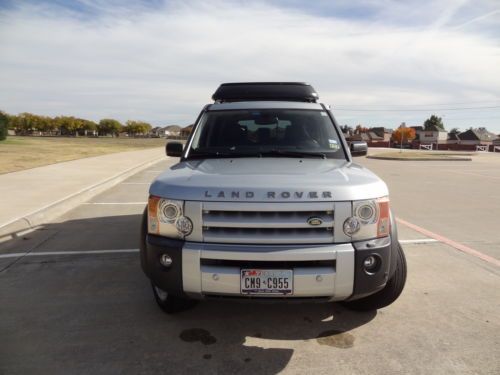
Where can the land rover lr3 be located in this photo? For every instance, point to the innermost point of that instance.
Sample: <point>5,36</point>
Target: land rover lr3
<point>267,204</point>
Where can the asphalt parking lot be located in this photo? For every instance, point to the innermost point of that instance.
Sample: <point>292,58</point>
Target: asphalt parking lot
<point>85,307</point>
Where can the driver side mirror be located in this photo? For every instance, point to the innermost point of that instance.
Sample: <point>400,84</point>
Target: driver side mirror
<point>359,148</point>
<point>174,148</point>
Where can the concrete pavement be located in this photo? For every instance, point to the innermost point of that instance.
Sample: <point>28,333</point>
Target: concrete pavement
<point>35,196</point>
<point>69,307</point>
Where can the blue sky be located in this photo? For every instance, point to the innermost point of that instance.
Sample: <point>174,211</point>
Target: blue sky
<point>378,63</point>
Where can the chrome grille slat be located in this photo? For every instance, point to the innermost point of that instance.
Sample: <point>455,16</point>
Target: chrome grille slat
<point>267,223</point>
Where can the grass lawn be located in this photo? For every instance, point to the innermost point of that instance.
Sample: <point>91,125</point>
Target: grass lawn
<point>17,153</point>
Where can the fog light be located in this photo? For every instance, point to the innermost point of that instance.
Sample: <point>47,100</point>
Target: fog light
<point>351,226</point>
<point>371,264</point>
<point>165,260</point>
<point>184,225</point>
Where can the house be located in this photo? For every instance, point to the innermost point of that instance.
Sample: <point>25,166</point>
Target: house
<point>453,138</point>
<point>432,134</point>
<point>374,137</point>
<point>170,131</point>
<point>155,132</point>
<point>382,134</point>
<point>184,133</point>
<point>479,136</point>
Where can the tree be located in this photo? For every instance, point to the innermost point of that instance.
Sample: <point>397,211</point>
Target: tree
<point>433,121</point>
<point>137,127</point>
<point>454,131</point>
<point>346,129</point>
<point>25,123</point>
<point>45,124</point>
<point>67,124</point>
<point>87,125</point>
<point>109,126</point>
<point>4,124</point>
<point>360,129</point>
<point>403,134</point>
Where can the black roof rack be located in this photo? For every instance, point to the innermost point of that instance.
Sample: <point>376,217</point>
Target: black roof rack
<point>252,91</point>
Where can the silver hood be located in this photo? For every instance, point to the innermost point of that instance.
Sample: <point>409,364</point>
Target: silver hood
<point>268,180</point>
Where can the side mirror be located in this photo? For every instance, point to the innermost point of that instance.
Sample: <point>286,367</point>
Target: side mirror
<point>359,148</point>
<point>174,148</point>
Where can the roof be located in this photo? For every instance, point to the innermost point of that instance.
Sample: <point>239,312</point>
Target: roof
<point>480,134</point>
<point>375,136</point>
<point>172,128</point>
<point>453,136</point>
<point>264,105</point>
<point>245,91</point>
<point>380,131</point>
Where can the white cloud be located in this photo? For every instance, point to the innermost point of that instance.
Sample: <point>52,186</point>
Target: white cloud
<point>161,65</point>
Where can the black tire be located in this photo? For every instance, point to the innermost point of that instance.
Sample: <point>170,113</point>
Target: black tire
<point>389,294</point>
<point>171,304</point>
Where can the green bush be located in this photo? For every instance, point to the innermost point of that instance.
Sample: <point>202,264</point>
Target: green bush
<point>3,126</point>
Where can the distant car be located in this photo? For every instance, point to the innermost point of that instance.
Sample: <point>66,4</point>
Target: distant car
<point>266,203</point>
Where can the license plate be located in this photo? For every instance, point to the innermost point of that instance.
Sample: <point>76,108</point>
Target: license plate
<point>256,281</point>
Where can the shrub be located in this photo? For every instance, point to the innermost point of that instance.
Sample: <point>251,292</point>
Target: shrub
<point>3,125</point>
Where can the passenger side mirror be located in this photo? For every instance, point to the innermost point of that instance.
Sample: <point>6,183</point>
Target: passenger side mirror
<point>359,148</point>
<point>174,148</point>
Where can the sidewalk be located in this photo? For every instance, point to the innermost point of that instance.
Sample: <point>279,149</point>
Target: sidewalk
<point>34,196</point>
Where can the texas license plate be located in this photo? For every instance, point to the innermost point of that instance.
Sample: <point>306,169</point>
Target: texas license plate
<point>256,281</point>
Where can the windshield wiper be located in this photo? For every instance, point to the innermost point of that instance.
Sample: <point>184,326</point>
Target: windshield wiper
<point>221,154</point>
<point>293,154</point>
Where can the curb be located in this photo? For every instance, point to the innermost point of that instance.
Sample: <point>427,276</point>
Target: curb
<point>61,206</point>
<point>419,159</point>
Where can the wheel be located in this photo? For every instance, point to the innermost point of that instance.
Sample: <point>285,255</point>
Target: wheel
<point>171,304</point>
<point>389,294</point>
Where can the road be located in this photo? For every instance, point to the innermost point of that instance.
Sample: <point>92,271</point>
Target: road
<point>78,303</point>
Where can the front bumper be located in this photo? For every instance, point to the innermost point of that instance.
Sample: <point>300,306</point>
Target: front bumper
<point>201,270</point>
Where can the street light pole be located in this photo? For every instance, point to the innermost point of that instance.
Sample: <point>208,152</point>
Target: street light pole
<point>402,127</point>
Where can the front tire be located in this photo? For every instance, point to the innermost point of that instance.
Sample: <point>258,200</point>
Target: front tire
<point>170,304</point>
<point>391,291</point>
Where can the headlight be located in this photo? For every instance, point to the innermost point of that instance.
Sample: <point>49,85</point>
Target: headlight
<point>370,219</point>
<point>166,218</point>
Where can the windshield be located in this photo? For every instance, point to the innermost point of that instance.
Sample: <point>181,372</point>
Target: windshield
<point>266,132</point>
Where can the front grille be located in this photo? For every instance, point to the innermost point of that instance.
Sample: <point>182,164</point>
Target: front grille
<point>267,223</point>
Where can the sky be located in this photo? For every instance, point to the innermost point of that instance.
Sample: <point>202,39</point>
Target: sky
<point>376,62</point>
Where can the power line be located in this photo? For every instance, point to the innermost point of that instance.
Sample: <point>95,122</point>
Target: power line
<point>411,110</point>
<point>495,102</point>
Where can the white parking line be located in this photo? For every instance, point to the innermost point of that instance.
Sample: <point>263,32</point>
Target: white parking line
<point>420,240</point>
<point>116,203</point>
<point>117,251</point>
<point>45,253</point>
<point>471,174</point>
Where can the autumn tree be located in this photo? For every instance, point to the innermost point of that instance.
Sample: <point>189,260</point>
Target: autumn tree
<point>109,126</point>
<point>137,127</point>
<point>403,134</point>
<point>67,124</point>
<point>85,125</point>
<point>433,121</point>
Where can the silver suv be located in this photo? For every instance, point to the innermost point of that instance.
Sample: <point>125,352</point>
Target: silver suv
<point>267,204</point>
